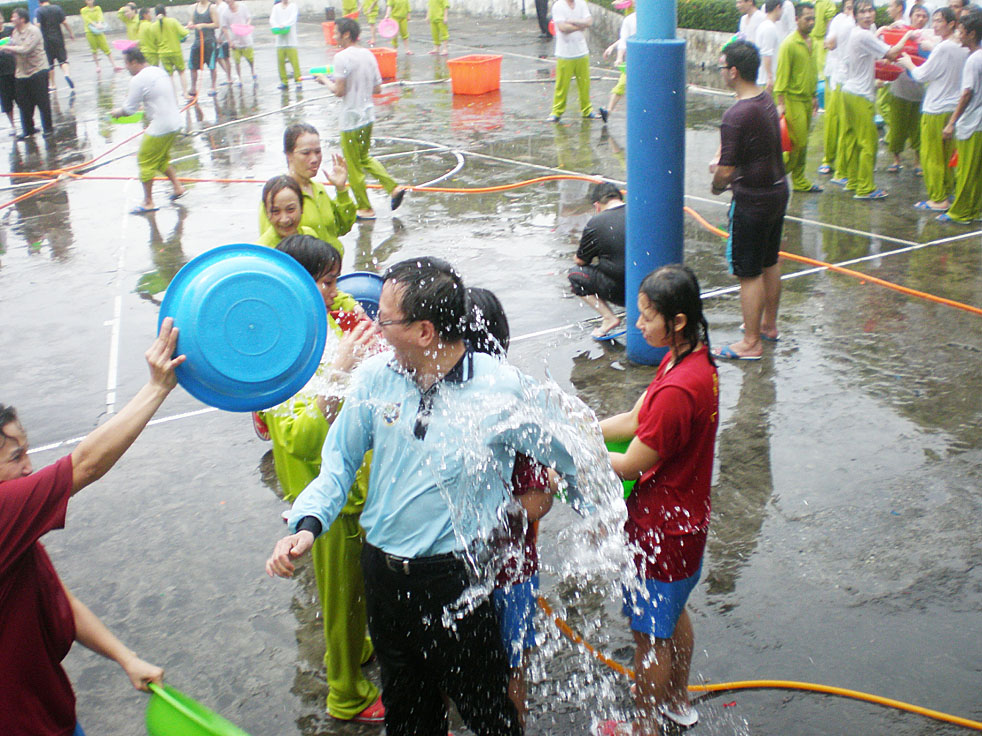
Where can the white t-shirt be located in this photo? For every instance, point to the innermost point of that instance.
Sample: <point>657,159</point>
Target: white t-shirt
<point>570,45</point>
<point>970,121</point>
<point>750,23</point>
<point>942,73</point>
<point>629,26</point>
<point>861,55</point>
<point>241,17</point>
<point>839,29</point>
<point>787,24</point>
<point>283,17</point>
<point>767,44</point>
<point>357,66</point>
<point>906,88</point>
<point>151,87</point>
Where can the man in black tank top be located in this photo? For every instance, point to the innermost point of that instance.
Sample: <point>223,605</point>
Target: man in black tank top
<point>204,22</point>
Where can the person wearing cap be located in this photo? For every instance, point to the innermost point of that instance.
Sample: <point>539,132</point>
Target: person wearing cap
<point>598,278</point>
<point>40,619</point>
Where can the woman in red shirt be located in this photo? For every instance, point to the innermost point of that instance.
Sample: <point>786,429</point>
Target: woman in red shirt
<point>672,429</point>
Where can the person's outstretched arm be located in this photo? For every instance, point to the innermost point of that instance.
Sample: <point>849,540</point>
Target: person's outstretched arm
<point>98,452</point>
<point>91,633</point>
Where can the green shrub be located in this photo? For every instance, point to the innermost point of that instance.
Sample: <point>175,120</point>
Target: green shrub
<point>708,15</point>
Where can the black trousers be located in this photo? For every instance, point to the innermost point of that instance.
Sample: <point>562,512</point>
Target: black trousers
<point>542,12</point>
<point>31,92</point>
<point>422,659</point>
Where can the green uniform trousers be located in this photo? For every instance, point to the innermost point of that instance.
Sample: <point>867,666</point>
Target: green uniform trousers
<point>858,143</point>
<point>798,114</point>
<point>967,205</point>
<point>283,53</point>
<point>337,555</point>
<point>903,124</point>
<point>566,69</point>
<point>403,31</point>
<point>354,147</point>
<point>438,29</point>
<point>833,124</point>
<point>939,179</point>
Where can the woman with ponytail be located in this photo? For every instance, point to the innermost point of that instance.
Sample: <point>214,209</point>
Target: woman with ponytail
<point>164,36</point>
<point>672,433</point>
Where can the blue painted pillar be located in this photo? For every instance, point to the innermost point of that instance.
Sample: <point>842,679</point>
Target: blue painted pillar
<point>655,157</point>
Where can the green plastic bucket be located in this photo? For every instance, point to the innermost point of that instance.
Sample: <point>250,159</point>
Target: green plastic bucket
<point>172,713</point>
<point>621,446</point>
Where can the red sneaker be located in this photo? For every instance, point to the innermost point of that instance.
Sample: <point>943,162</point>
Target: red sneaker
<point>262,431</point>
<point>375,713</point>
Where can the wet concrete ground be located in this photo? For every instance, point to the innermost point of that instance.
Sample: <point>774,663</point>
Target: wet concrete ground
<point>846,536</point>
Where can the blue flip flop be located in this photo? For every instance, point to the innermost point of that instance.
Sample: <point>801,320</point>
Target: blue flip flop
<point>608,336</point>
<point>141,210</point>
<point>765,338</point>
<point>727,353</point>
<point>923,205</point>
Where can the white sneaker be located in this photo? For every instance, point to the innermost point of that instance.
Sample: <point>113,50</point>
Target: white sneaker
<point>688,718</point>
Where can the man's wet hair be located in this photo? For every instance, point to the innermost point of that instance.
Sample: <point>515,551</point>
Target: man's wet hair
<point>602,192</point>
<point>8,415</point>
<point>432,291</point>
<point>860,4</point>
<point>277,184</point>
<point>22,12</point>
<point>801,7</point>
<point>971,21</point>
<point>487,326</point>
<point>349,26</point>
<point>672,290</point>
<point>771,5</point>
<point>317,257</point>
<point>293,133</point>
<point>947,14</point>
<point>134,56</point>
<point>901,3</point>
<point>744,57</point>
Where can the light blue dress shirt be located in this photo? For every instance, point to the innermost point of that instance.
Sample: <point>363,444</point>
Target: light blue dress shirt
<point>446,490</point>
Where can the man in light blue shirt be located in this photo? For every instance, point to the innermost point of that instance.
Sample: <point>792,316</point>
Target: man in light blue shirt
<point>444,425</point>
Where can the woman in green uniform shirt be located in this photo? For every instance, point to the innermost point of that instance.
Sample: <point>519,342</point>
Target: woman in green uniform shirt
<point>328,218</point>
<point>130,17</point>
<point>298,429</point>
<point>164,38</point>
<point>95,33</point>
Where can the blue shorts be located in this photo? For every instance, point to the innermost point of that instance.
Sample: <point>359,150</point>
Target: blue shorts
<point>657,612</point>
<point>515,608</point>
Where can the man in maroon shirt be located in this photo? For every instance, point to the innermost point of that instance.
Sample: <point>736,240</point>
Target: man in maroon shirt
<point>39,617</point>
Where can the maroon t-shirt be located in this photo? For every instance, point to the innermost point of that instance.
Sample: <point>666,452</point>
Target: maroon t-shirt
<point>37,627</point>
<point>668,510</point>
<point>527,475</point>
<point>750,141</point>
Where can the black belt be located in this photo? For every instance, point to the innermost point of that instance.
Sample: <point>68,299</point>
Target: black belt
<point>410,565</point>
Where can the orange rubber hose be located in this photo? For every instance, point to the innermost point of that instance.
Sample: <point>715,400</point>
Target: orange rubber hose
<point>847,271</point>
<point>766,684</point>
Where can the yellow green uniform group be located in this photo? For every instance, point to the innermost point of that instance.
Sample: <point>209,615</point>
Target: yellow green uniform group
<point>796,81</point>
<point>93,16</point>
<point>298,430</point>
<point>824,13</point>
